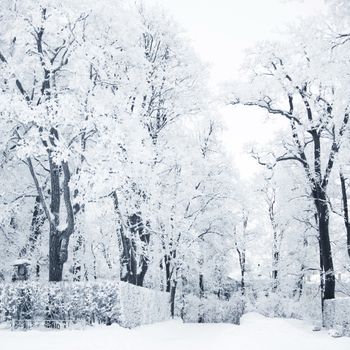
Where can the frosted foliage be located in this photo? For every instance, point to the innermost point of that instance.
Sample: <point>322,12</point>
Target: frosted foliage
<point>336,315</point>
<point>142,305</point>
<point>212,310</point>
<point>116,185</point>
<point>120,97</point>
<point>31,304</point>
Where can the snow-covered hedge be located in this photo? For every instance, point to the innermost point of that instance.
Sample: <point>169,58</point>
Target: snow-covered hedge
<point>337,315</point>
<point>306,307</point>
<point>91,302</point>
<point>142,305</point>
<point>210,309</point>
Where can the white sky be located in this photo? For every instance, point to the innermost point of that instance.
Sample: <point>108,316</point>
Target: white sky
<point>220,31</point>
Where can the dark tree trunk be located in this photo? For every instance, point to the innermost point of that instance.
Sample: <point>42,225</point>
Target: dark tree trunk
<point>172,298</point>
<point>319,193</point>
<point>55,265</point>
<point>327,259</point>
<point>58,239</point>
<point>138,230</point>
<point>201,295</point>
<point>169,268</point>
<point>345,210</point>
<point>167,272</point>
<point>325,244</point>
<point>171,280</point>
<point>134,263</point>
<point>322,281</point>
<point>201,286</point>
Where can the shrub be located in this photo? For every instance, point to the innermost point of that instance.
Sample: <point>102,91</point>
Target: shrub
<point>27,303</point>
<point>210,309</point>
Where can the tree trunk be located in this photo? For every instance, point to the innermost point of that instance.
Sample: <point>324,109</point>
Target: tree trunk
<point>140,263</point>
<point>133,263</point>
<point>55,265</point>
<point>275,240</point>
<point>58,239</point>
<point>38,220</point>
<point>137,263</point>
<point>322,281</point>
<point>325,245</point>
<point>242,265</point>
<point>298,291</point>
<point>201,295</point>
<point>172,298</point>
<point>167,272</point>
<point>345,210</point>
<point>201,286</point>
<point>275,261</point>
<point>242,253</point>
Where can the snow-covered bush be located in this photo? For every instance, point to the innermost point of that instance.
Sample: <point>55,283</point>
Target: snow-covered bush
<point>142,305</point>
<point>275,305</point>
<point>91,302</point>
<point>210,309</point>
<point>337,315</point>
<point>278,304</point>
<point>20,301</point>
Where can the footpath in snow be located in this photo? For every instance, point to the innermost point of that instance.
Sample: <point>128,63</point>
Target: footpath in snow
<point>255,333</point>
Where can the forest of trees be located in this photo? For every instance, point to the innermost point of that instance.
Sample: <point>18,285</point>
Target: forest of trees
<point>304,80</point>
<point>112,165</point>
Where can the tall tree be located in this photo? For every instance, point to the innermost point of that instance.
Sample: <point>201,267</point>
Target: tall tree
<point>289,82</point>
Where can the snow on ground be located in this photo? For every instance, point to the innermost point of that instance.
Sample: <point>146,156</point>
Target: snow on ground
<point>255,333</point>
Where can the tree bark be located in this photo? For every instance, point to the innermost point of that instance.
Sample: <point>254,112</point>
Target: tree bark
<point>172,298</point>
<point>242,252</point>
<point>134,263</point>
<point>325,244</point>
<point>38,220</point>
<point>55,266</point>
<point>275,262</point>
<point>319,193</point>
<point>167,263</point>
<point>58,239</point>
<point>345,210</point>
<point>201,295</point>
<point>139,259</point>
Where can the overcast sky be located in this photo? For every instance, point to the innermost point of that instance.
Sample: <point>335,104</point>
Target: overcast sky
<point>221,31</point>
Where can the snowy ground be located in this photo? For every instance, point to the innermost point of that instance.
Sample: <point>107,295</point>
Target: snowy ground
<point>256,332</point>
